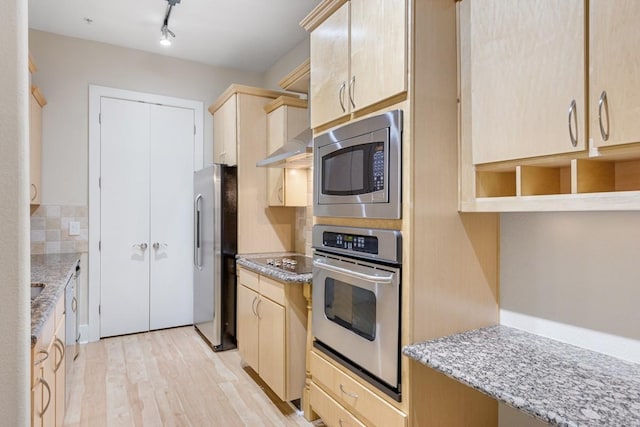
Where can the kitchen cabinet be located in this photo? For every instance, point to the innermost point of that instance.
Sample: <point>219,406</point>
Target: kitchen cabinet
<point>527,78</point>
<point>36,102</point>
<point>522,66</point>
<point>614,72</point>
<point>336,395</point>
<point>358,56</point>
<point>249,119</point>
<point>286,118</point>
<point>272,318</point>
<point>48,371</point>
<point>225,133</point>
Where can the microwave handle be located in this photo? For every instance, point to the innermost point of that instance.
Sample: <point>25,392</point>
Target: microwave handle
<point>354,274</point>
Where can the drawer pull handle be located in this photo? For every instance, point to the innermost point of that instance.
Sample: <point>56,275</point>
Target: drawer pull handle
<point>573,114</point>
<point>45,356</point>
<point>340,422</point>
<point>353,395</point>
<point>603,102</point>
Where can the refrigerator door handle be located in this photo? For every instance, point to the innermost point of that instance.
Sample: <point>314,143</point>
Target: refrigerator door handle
<point>197,249</point>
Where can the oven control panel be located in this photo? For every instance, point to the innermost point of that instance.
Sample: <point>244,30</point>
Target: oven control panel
<point>352,242</point>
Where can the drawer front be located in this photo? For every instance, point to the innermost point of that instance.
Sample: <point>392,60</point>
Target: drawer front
<point>273,290</point>
<point>249,279</point>
<point>330,411</point>
<point>354,396</point>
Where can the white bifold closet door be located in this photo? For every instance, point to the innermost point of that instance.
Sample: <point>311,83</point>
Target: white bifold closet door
<point>146,168</point>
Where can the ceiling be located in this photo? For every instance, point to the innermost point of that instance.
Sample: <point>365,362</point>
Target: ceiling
<point>249,35</point>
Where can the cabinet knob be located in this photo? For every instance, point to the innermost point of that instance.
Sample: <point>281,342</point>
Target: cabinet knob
<point>141,246</point>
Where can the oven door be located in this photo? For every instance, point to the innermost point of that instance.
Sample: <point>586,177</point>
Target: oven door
<point>356,312</point>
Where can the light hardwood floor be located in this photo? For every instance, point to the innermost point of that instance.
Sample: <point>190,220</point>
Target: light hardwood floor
<point>170,378</point>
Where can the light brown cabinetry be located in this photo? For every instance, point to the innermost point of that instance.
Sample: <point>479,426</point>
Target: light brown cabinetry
<point>36,102</point>
<point>336,395</point>
<point>522,66</point>
<point>358,56</point>
<point>48,371</point>
<point>240,136</point>
<point>614,72</point>
<point>272,319</point>
<point>527,78</point>
<point>286,118</point>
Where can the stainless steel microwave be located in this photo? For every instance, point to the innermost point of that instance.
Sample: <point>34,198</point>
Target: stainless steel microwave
<point>358,169</point>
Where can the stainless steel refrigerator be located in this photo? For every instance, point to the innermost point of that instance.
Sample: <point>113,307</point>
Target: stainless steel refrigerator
<point>214,255</point>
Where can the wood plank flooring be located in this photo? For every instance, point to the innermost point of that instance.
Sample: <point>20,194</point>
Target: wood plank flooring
<point>170,378</point>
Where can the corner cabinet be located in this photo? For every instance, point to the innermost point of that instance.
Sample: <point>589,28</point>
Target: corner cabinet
<point>272,333</point>
<point>286,118</point>
<point>531,140</point>
<point>358,56</point>
<point>233,115</point>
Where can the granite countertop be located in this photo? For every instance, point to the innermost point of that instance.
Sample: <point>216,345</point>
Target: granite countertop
<point>555,382</point>
<point>54,270</point>
<point>273,272</point>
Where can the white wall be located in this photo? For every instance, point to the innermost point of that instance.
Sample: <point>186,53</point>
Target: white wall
<point>574,277</point>
<point>14,216</point>
<point>66,67</point>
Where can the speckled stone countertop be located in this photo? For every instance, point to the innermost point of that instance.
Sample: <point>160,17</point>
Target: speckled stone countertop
<point>54,270</point>
<point>555,382</point>
<point>273,272</point>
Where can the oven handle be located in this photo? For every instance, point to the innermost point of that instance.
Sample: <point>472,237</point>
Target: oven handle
<point>355,274</point>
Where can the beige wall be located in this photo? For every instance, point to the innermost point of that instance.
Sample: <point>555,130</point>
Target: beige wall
<point>14,216</point>
<point>66,68</point>
<point>576,269</point>
<point>285,65</point>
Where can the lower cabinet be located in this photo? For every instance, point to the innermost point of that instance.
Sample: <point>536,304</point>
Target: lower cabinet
<point>48,371</point>
<point>272,318</point>
<point>342,400</point>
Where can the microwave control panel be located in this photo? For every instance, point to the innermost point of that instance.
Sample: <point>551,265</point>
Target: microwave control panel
<point>352,242</point>
<point>378,168</point>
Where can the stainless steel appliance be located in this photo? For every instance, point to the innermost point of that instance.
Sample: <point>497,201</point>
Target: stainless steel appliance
<point>72,334</point>
<point>297,264</point>
<point>214,255</point>
<point>356,301</point>
<point>358,169</point>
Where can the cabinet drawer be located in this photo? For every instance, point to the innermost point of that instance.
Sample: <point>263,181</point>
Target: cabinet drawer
<point>249,279</point>
<point>330,411</point>
<point>272,289</point>
<point>354,396</point>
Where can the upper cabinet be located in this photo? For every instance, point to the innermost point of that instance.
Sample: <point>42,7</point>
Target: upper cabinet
<point>225,132</point>
<point>614,72</point>
<point>36,102</point>
<point>530,139</point>
<point>358,56</point>
<point>286,118</point>
<point>527,78</point>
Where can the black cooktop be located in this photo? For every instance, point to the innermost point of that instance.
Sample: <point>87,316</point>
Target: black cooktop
<point>298,264</point>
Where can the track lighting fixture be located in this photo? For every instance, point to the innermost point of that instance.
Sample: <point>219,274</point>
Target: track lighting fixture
<point>165,40</point>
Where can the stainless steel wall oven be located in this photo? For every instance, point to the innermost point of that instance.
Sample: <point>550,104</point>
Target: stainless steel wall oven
<point>356,301</point>
<point>358,169</point>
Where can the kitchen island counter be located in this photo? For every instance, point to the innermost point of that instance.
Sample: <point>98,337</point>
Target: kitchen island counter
<point>54,271</point>
<point>249,261</point>
<point>555,382</point>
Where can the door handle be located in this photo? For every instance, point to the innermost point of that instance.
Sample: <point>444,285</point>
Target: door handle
<point>158,245</point>
<point>354,274</point>
<point>141,246</point>
<point>196,231</point>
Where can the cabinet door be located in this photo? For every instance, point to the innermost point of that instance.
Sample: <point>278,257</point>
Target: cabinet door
<point>378,51</point>
<point>330,68</point>
<point>272,345</point>
<point>35,149</point>
<point>614,68</point>
<point>225,132</point>
<point>49,389</point>
<point>248,326</point>
<point>527,69</point>
<point>59,371</point>
<point>276,136</point>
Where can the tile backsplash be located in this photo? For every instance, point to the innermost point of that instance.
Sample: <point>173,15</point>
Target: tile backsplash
<point>50,229</point>
<point>304,221</point>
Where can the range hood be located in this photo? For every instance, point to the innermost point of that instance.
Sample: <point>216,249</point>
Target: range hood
<point>296,153</point>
